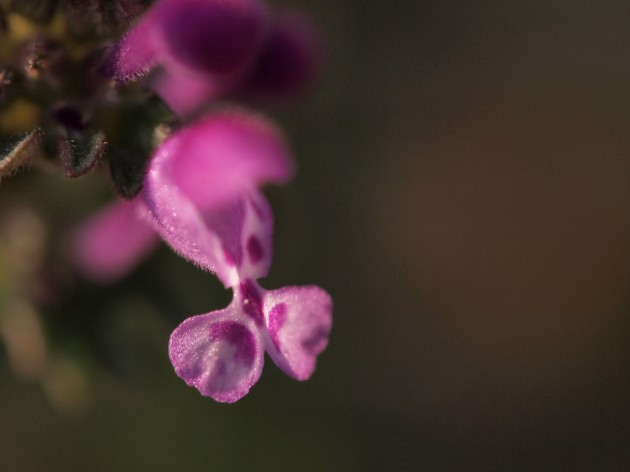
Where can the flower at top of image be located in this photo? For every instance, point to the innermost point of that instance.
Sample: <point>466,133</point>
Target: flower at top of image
<point>207,48</point>
<point>143,98</point>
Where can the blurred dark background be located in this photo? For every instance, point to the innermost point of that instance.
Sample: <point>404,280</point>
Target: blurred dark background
<point>464,194</point>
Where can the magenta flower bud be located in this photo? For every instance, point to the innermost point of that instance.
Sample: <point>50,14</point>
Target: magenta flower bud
<point>289,62</point>
<point>112,242</point>
<point>210,38</point>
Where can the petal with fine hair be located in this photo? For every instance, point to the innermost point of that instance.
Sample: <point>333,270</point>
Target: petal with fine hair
<point>213,39</point>
<point>200,190</point>
<point>137,52</point>
<point>218,353</point>
<point>298,321</point>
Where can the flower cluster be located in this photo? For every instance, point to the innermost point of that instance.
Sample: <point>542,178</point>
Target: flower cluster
<point>189,172</point>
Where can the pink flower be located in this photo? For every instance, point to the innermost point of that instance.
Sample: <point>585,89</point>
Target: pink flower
<point>221,156</point>
<point>198,179</point>
<point>221,353</point>
<point>201,195</point>
<point>201,190</point>
<point>204,38</point>
<point>214,216</point>
<point>207,48</point>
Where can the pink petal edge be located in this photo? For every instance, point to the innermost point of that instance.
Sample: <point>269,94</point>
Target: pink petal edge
<point>298,321</point>
<point>197,188</point>
<point>136,53</point>
<point>220,354</point>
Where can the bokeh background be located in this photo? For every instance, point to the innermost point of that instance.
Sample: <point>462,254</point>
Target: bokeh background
<point>464,195</point>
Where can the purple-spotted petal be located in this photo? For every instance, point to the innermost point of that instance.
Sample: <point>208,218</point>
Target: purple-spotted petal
<point>114,241</point>
<point>298,321</point>
<point>256,237</point>
<point>219,353</point>
<point>183,227</point>
<point>200,191</point>
<point>244,230</point>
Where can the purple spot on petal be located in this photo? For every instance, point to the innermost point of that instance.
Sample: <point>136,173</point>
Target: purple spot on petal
<point>252,302</point>
<point>254,249</point>
<point>237,335</point>
<point>316,341</point>
<point>277,317</point>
